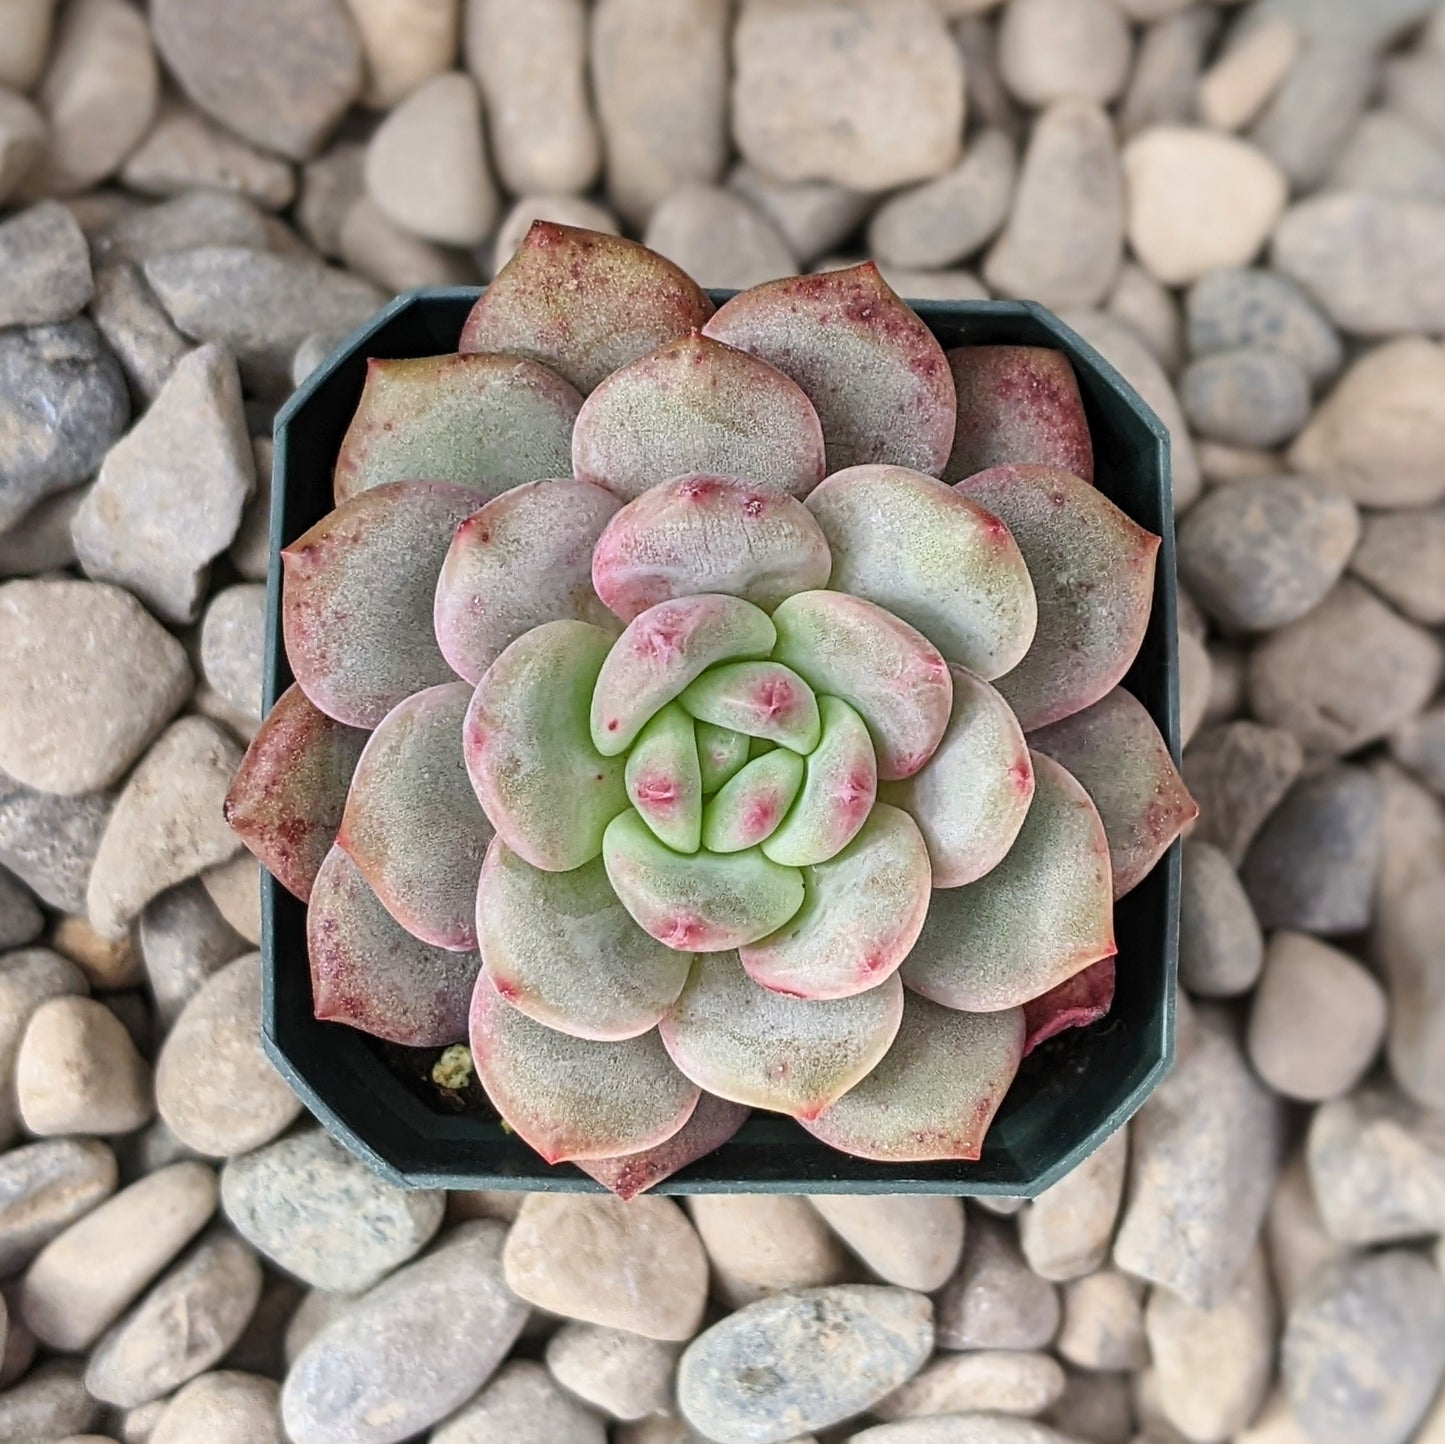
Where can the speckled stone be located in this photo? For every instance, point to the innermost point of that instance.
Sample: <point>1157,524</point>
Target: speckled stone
<point>21,921</point>
<point>321,1214</point>
<point>1238,772</point>
<point>1245,397</point>
<point>47,1404</point>
<point>183,941</point>
<point>1221,947</point>
<point>44,266</point>
<point>45,1187</point>
<point>1235,307</point>
<point>831,1352</point>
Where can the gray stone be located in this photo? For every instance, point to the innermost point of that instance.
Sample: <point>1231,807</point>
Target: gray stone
<point>374,246</point>
<point>235,889</point>
<point>1313,864</point>
<point>183,941</point>
<point>1317,1019</point>
<point>718,237</point>
<point>44,266</point>
<point>1239,307</point>
<point>62,403</point>
<point>181,1328</point>
<point>1364,1349</point>
<point>1064,238</point>
<point>1298,1242</point>
<point>330,185</point>
<point>1372,26</point>
<point>1258,554</point>
<point>1375,264</point>
<point>910,1240</point>
<point>1103,1326</point>
<point>944,221</point>
<point>167,825</point>
<point>40,541</point>
<point>870,97</point>
<point>279,72</point>
<point>1051,50</point>
<point>233,639</point>
<point>83,1280</point>
<point>1094,1407</point>
<point>1221,948</point>
<point>1413,88</point>
<point>136,328</point>
<point>170,495</point>
<point>995,1300</point>
<point>1237,773</point>
<point>191,220</point>
<point>523,1406</point>
<point>21,921</point>
<point>622,1374</point>
<point>251,550</point>
<point>1165,82</point>
<point>1206,1148</point>
<point>1246,397</point>
<point>321,1214</point>
<point>94,678</point>
<point>1388,156</point>
<point>1322,98</point>
<point>829,1353</point>
<point>1149,309</point>
<point>221,1408</point>
<point>215,1086</point>
<point>812,216</point>
<point>408,1352</point>
<point>989,103</point>
<point>962,1429</point>
<point>1124,349</point>
<point>956,285</point>
<point>185,151</point>
<point>26,42</point>
<point>660,85</point>
<point>1213,1366</point>
<point>260,306</point>
<point>45,1187</point>
<point>1377,1163</point>
<point>48,1404</point>
<point>50,842</point>
<point>1348,673</point>
<point>1402,555</point>
<point>28,977</point>
<point>261,1347</point>
<point>153,1147</point>
<point>1420,746</point>
<point>22,128</point>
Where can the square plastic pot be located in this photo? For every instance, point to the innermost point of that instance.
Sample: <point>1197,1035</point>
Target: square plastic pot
<point>1071,1093</point>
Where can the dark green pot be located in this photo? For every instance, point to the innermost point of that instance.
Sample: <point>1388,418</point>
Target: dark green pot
<point>1071,1093</point>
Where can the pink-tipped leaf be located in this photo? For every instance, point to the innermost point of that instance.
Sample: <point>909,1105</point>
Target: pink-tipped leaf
<point>748,808</point>
<point>721,754</point>
<point>1075,1003</point>
<point>763,699</point>
<point>664,779</point>
<point>714,1121</point>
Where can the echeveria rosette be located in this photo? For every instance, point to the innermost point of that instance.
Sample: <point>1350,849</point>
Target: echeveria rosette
<point>780,773</point>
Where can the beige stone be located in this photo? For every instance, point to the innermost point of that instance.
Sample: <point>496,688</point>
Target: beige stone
<point>99,96</point>
<point>1198,200</point>
<point>426,168</point>
<point>1234,90</point>
<point>1052,50</point>
<point>637,1266</point>
<point>530,59</point>
<point>1103,1324</point>
<point>25,31</point>
<point>763,1243</point>
<point>1299,1243</point>
<point>374,246</point>
<point>912,1240</point>
<point>222,1408</point>
<point>995,1301</point>
<point>108,963</point>
<point>184,150</point>
<point>79,1072</point>
<point>405,45</point>
<point>1140,302</point>
<point>81,1282</point>
<point>985,1382</point>
<point>1065,1231</point>
<point>719,238</point>
<point>22,136</point>
<point>624,1375</point>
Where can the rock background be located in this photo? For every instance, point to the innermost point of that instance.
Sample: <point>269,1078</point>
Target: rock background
<point>1241,205</point>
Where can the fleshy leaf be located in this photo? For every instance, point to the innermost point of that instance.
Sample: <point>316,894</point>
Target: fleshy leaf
<point>412,822</point>
<point>572,1098</point>
<point>713,1122</point>
<point>528,748</point>
<point>876,376</point>
<point>862,912</point>
<point>704,903</point>
<point>583,304</point>
<point>1114,749</point>
<point>931,556</point>
<point>1075,1003</point>
<point>749,807</point>
<point>763,699</point>
<point>664,649</point>
<point>721,752</point>
<point>1043,914</point>
<point>562,949</point>
<point>1017,405</point>
<point>971,799</point>
<point>368,972</point>
<point>664,779</point>
<point>483,422</point>
<point>840,784</point>
<point>706,533</point>
<point>1093,575</point>
<point>288,795</point>
<point>936,1091</point>
<point>697,405</point>
<point>357,624</point>
<point>766,1050</point>
<point>890,673</point>
<point>523,559</point>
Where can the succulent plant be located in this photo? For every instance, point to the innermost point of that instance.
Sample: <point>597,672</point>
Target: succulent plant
<point>665,726</point>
